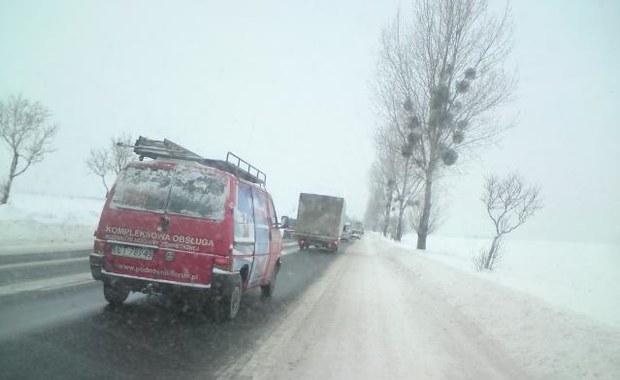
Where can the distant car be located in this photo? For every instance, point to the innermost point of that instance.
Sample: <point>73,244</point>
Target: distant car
<point>358,229</point>
<point>346,232</point>
<point>288,227</point>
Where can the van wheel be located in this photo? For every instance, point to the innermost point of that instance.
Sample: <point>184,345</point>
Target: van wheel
<point>267,290</point>
<point>227,307</point>
<point>115,295</point>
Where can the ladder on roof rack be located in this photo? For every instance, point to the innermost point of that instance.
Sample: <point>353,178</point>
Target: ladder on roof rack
<point>145,147</point>
<point>249,168</point>
<point>154,149</point>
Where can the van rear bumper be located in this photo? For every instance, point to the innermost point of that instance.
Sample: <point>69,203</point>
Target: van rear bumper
<point>145,280</point>
<point>222,282</point>
<point>96,265</point>
<point>221,285</point>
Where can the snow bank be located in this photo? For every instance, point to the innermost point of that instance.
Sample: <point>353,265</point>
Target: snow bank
<point>583,278</point>
<point>546,341</point>
<point>35,222</point>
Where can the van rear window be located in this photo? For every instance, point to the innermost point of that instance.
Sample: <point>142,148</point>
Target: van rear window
<point>143,188</point>
<point>198,193</point>
<point>185,190</point>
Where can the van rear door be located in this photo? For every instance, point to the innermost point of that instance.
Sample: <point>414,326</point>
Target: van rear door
<point>167,221</point>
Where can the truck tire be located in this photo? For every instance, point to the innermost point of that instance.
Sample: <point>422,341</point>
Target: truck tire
<point>115,294</point>
<point>226,307</point>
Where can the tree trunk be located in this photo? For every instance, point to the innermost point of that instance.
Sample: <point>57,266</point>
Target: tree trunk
<point>386,222</point>
<point>107,190</point>
<point>7,185</point>
<point>402,205</point>
<point>491,256</point>
<point>426,210</point>
<point>6,188</point>
<point>399,226</point>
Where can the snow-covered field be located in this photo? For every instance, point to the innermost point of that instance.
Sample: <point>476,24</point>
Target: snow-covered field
<point>36,222</point>
<point>584,278</point>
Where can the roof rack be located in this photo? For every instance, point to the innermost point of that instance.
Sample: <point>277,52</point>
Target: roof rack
<point>154,149</point>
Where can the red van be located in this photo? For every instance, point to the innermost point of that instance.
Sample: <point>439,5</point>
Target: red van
<point>182,223</point>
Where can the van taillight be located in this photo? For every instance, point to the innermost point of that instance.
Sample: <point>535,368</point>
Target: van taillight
<point>223,262</point>
<point>99,247</point>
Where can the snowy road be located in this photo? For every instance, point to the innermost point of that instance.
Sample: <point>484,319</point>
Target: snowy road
<point>70,333</point>
<point>372,311</point>
<point>381,313</point>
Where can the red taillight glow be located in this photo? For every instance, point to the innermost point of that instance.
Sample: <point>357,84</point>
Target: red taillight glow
<point>99,247</point>
<point>221,260</point>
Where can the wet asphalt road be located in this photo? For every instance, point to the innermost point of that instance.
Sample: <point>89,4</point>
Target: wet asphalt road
<point>72,333</point>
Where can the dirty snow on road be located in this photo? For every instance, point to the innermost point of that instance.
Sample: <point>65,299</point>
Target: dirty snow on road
<point>384,311</point>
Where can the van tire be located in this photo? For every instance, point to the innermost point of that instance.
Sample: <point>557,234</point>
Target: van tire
<point>267,290</point>
<point>115,294</point>
<point>227,306</point>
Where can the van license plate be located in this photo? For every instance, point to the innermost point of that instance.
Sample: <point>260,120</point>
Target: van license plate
<point>133,252</point>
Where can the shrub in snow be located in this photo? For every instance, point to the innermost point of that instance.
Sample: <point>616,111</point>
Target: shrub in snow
<point>509,204</point>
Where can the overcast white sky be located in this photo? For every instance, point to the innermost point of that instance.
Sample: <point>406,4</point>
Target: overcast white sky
<point>286,85</point>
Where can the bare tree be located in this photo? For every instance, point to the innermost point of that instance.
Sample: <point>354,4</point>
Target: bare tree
<point>434,222</point>
<point>375,207</point>
<point>99,163</point>
<point>105,162</point>
<point>406,194</point>
<point>382,184</point>
<point>439,79</point>
<point>509,204</point>
<point>25,126</point>
<point>395,172</point>
<point>121,155</point>
<point>389,199</point>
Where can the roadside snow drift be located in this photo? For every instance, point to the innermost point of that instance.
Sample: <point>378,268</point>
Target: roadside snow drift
<point>388,311</point>
<point>34,222</point>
